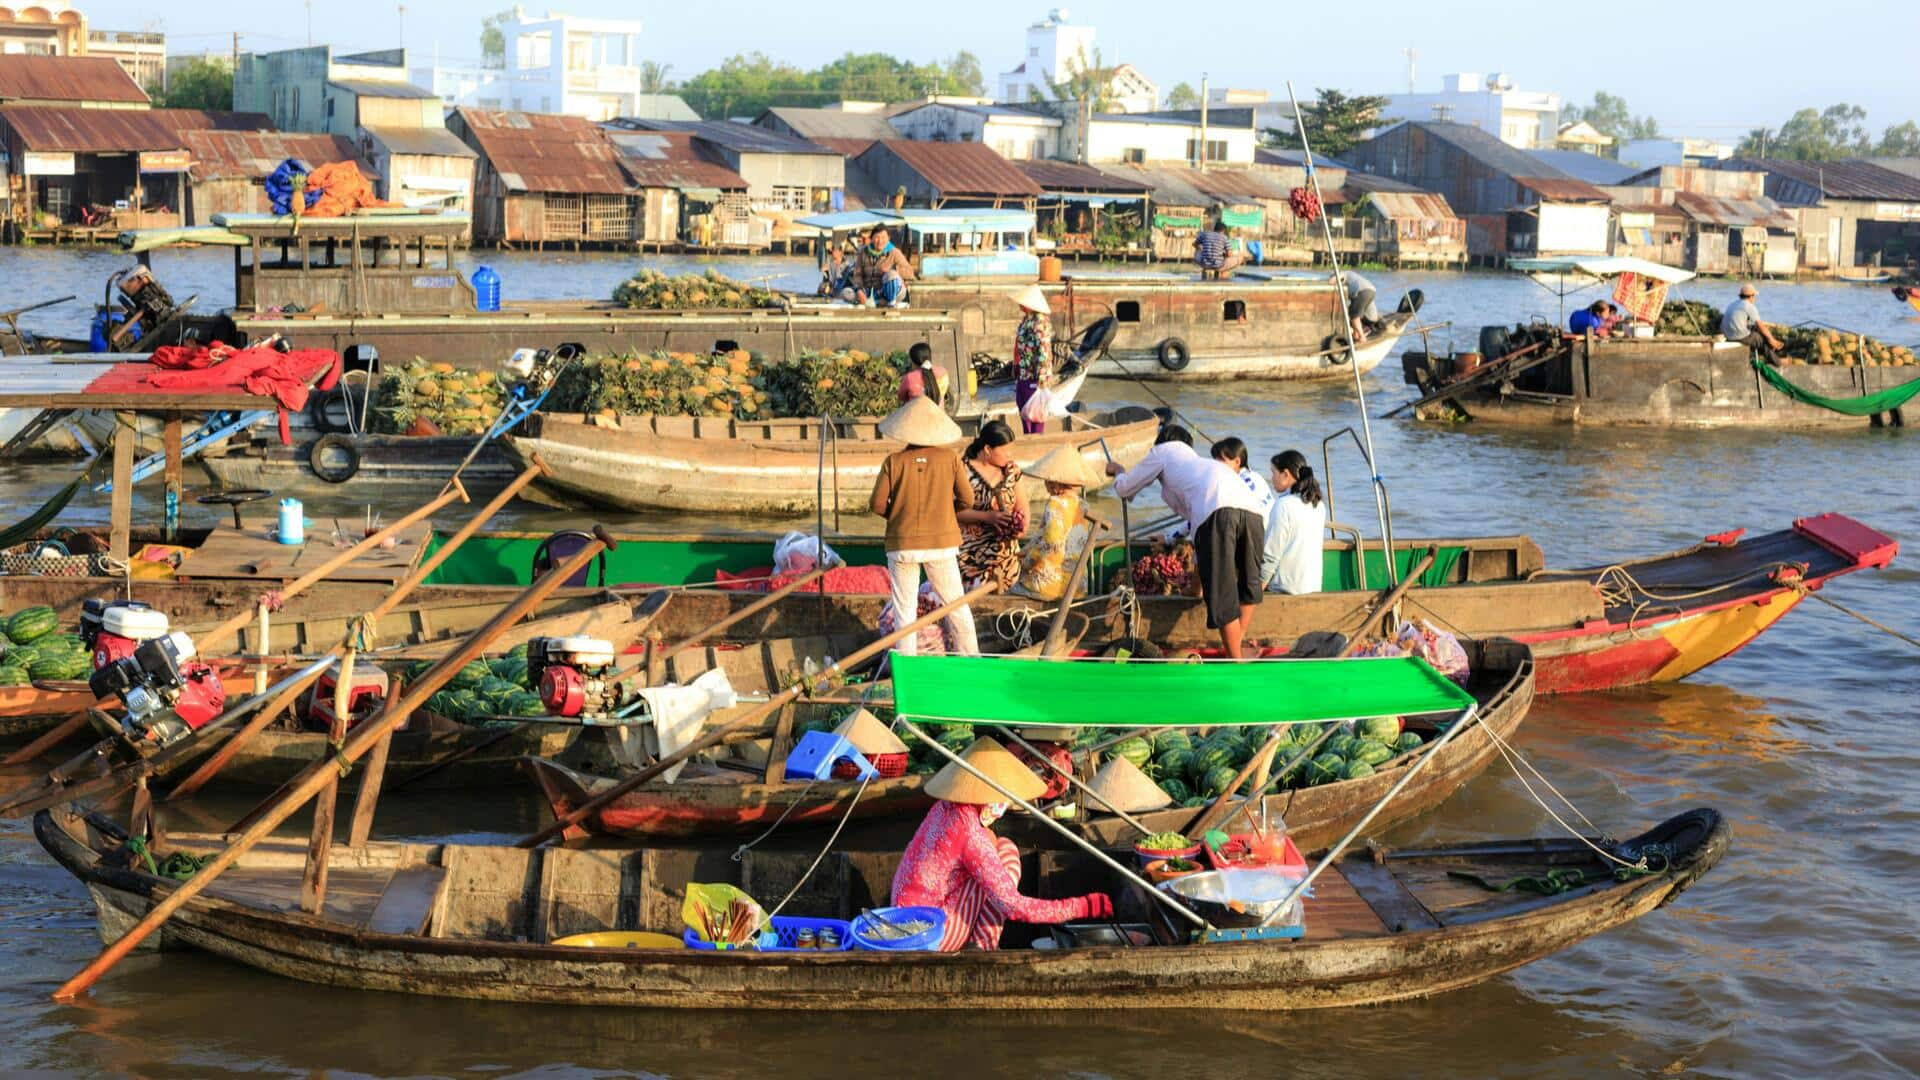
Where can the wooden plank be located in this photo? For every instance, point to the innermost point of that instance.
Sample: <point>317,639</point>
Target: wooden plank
<point>1336,911</point>
<point>408,901</point>
<point>1397,907</point>
<point>122,499</point>
<point>254,553</point>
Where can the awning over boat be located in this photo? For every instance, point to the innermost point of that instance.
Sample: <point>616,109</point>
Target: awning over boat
<point>139,240</point>
<point>1601,266</point>
<point>959,220</point>
<point>1026,692</point>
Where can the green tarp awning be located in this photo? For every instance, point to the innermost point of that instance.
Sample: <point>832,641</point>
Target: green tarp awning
<point>1072,693</point>
<point>1243,219</point>
<point>1168,221</point>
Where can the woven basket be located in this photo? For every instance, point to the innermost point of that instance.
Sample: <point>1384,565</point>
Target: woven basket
<point>22,561</point>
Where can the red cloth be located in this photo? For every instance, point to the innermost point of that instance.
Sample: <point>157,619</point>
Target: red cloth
<point>258,370</point>
<point>955,863</point>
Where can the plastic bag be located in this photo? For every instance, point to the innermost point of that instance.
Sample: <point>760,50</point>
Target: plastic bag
<point>723,915</point>
<point>932,640</point>
<point>1436,647</point>
<point>798,552</point>
<point>1035,410</point>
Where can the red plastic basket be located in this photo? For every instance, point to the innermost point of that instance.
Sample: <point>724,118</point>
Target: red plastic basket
<point>1242,844</point>
<point>888,766</point>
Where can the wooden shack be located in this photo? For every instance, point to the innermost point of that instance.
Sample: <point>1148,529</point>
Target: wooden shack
<point>228,167</point>
<point>679,179</point>
<point>544,180</point>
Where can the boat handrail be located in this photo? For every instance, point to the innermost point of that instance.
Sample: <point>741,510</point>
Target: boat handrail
<point>1380,491</point>
<point>1359,546</point>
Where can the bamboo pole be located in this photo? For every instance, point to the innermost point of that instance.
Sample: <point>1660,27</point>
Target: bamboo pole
<point>320,772</point>
<point>584,810</point>
<point>212,766</point>
<point>655,659</point>
<point>1057,630</point>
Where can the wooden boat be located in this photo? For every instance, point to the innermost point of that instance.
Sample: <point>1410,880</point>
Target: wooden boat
<point>724,801</point>
<point>462,920</point>
<point>772,466</point>
<point>393,464</point>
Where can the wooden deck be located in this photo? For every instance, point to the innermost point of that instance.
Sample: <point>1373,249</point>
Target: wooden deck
<point>254,553</point>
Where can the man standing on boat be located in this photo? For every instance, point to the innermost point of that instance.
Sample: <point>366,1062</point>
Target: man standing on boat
<point>1224,514</point>
<point>1742,323</point>
<point>881,273</point>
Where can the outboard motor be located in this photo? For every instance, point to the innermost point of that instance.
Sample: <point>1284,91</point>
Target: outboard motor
<point>166,692</point>
<point>575,675</point>
<point>365,698</point>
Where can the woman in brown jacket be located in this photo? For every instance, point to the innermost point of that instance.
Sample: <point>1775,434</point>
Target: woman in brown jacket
<point>920,491</point>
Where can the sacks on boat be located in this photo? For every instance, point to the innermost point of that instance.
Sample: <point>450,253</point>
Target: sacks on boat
<point>1420,638</point>
<point>932,639</point>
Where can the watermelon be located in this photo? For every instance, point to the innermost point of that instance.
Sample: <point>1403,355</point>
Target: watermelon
<point>1136,750</point>
<point>511,668</point>
<point>59,665</point>
<point>923,768</point>
<point>1175,762</point>
<point>14,675</point>
<point>1304,734</point>
<point>1219,779</point>
<point>1208,758</point>
<point>518,652</point>
<point>1358,769</point>
<point>1370,752</point>
<point>1171,739</point>
<point>494,688</point>
<point>523,703</point>
<point>1408,740</point>
<point>31,624</point>
<point>956,737</point>
<point>1194,802</point>
<point>1342,744</point>
<point>1325,768</point>
<point>469,677</point>
<point>1177,790</point>
<point>1382,728</point>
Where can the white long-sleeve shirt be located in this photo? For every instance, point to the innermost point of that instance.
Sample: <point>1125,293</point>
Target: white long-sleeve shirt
<point>1292,561</point>
<point>1192,486</point>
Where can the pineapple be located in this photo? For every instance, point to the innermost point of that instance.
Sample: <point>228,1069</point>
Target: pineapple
<point>443,368</point>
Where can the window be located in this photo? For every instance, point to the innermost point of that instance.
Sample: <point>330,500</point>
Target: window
<point>1033,50</point>
<point>1127,311</point>
<point>1216,149</point>
<point>786,197</point>
<point>1234,311</point>
<point>1134,155</point>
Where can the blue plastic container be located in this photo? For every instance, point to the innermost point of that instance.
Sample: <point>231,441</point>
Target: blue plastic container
<point>925,940</point>
<point>781,937</point>
<point>486,289</point>
<point>293,522</point>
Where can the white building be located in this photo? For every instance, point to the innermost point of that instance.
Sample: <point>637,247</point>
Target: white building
<point>1269,114</point>
<point>559,64</point>
<point>1056,51</point>
<point>1014,134</point>
<point>1526,119</point>
<point>1647,153</point>
<point>1168,138</point>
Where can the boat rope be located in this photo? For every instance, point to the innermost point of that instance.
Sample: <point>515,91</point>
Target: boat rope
<point>1844,610</point>
<point>1515,760</point>
<point>179,866</point>
<point>740,852</point>
<point>1620,589</point>
<point>1171,408</point>
<point>828,846</point>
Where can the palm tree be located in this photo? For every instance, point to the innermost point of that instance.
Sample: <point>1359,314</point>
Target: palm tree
<point>653,76</point>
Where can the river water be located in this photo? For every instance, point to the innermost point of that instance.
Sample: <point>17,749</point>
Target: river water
<point>1798,955</point>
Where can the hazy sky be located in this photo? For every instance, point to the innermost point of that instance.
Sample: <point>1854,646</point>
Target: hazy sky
<point>1703,69</point>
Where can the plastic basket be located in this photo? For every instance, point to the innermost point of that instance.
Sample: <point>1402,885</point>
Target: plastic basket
<point>25,563</point>
<point>694,941</point>
<point>1290,857</point>
<point>1190,852</point>
<point>925,940</point>
<point>888,766</point>
<point>785,929</point>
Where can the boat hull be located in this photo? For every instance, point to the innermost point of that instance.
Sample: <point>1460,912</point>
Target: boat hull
<point>396,463</point>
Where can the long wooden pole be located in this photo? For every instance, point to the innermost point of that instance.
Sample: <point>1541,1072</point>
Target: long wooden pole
<point>212,766</point>
<point>655,657</point>
<point>584,810</point>
<point>1057,630</point>
<point>316,775</point>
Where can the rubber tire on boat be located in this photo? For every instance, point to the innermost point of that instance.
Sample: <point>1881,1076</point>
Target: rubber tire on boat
<point>1174,355</point>
<point>343,401</point>
<point>317,458</point>
<point>1332,342</point>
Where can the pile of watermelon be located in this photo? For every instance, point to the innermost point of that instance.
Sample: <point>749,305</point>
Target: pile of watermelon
<point>1194,771</point>
<point>36,650</point>
<point>486,688</point>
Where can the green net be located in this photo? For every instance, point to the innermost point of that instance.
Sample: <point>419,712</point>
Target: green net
<point>1865,405</point>
<point>1071,693</point>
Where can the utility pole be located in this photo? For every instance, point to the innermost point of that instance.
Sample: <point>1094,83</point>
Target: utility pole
<point>1413,57</point>
<point>309,23</point>
<point>403,27</point>
<point>1202,148</point>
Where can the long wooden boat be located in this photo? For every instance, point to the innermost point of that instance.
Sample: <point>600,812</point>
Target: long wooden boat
<point>393,465</point>
<point>725,801</point>
<point>462,920</point>
<point>737,466</point>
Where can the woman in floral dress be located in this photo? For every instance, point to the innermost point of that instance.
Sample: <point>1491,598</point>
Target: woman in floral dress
<point>991,528</point>
<point>1032,352</point>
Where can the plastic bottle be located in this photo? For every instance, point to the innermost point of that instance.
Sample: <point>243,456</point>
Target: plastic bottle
<point>293,522</point>
<point>486,288</point>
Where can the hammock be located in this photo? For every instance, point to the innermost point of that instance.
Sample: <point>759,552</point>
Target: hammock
<point>26,530</point>
<point>1866,405</point>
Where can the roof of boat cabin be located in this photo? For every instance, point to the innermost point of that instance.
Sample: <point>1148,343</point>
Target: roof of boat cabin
<point>405,222</point>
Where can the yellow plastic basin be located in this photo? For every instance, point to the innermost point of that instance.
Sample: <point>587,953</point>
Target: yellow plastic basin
<point>622,939</point>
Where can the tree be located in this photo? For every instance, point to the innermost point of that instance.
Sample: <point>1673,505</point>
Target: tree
<point>747,84</point>
<point>200,83</point>
<point>1839,131</point>
<point>1609,115</point>
<point>1088,79</point>
<point>964,74</point>
<point>653,76</point>
<point>1335,121</point>
<point>1183,96</point>
<point>1758,143</point>
<point>493,40</point>
<point>1901,140</point>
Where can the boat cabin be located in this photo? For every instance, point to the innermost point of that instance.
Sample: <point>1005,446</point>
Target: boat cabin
<point>399,264</point>
<point>952,244</point>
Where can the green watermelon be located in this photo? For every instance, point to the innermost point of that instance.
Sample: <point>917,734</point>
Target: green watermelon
<point>1382,728</point>
<point>469,677</point>
<point>1219,779</point>
<point>1342,744</point>
<point>1194,802</point>
<point>53,664</point>
<point>511,668</point>
<point>1208,758</point>
<point>1325,768</point>
<point>523,703</point>
<point>1370,752</point>
<point>14,675</point>
<point>518,652</point>
<point>1136,750</point>
<point>923,768</point>
<point>1408,740</point>
<point>1358,769</point>
<point>1177,790</point>
<point>442,702</point>
<point>1176,762</point>
<point>31,624</point>
<point>956,737</point>
<point>1171,739</point>
<point>494,689</point>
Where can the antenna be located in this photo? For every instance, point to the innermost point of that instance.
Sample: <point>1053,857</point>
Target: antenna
<point>1413,59</point>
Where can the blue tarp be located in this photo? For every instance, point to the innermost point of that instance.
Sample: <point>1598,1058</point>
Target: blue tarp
<point>280,187</point>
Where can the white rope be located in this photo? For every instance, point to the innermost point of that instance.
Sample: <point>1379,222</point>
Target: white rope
<point>815,865</point>
<point>1515,760</point>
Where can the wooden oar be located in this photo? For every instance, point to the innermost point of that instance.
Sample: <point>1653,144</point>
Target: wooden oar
<point>591,806</point>
<point>315,776</point>
<point>655,658</point>
<point>212,766</point>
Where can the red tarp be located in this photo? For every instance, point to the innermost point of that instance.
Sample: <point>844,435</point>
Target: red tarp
<point>259,370</point>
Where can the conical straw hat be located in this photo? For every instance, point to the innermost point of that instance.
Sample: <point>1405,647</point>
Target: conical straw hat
<point>1127,789</point>
<point>955,784</point>
<point>1064,465</point>
<point>868,735</point>
<point>1033,298</point>
<point>920,422</point>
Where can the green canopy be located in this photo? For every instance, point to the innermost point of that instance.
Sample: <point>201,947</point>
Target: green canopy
<point>1070,693</point>
<point>1242,219</point>
<point>1170,221</point>
<point>1865,405</point>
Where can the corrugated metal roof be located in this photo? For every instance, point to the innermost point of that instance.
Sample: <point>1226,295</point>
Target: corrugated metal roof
<point>959,168</point>
<point>252,155</point>
<point>78,130</point>
<point>538,152</point>
<point>1740,212</point>
<point>1485,148</point>
<point>1068,176</point>
<point>851,148</point>
<point>66,78</point>
<point>1580,165</point>
<point>425,141</point>
<point>383,88</point>
<point>1400,205</point>
<point>1853,179</point>
<point>1561,189</point>
<point>740,138</point>
<point>1174,185</point>
<point>670,159</point>
<point>818,125</point>
<point>663,107</point>
<point>1367,183</point>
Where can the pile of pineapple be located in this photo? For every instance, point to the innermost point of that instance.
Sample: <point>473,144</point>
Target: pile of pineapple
<point>653,290</point>
<point>1811,345</point>
<point>842,382</point>
<point>436,399</point>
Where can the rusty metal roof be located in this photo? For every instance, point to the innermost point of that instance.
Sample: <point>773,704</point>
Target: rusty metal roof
<point>1713,210</point>
<point>1401,205</point>
<point>538,152</point>
<point>253,155</point>
<point>67,78</point>
<point>74,129</point>
<point>1561,189</point>
<point>671,159</point>
<point>1083,179</point>
<point>1853,179</point>
<point>959,168</point>
<point>1174,185</point>
<point>850,148</point>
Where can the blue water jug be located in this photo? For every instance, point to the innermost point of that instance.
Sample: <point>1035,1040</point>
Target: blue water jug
<point>293,522</point>
<point>486,289</point>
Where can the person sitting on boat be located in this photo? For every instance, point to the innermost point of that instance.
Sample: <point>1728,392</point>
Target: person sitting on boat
<point>919,491</point>
<point>881,272</point>
<point>1228,533</point>
<point>1032,352</point>
<point>1360,304</point>
<point>955,862</point>
<point>996,518</point>
<point>836,278</point>
<point>1232,452</point>
<point>1213,252</point>
<point>922,377</point>
<point>1296,523</point>
<point>1742,323</point>
<point>1064,528</point>
<point>1592,319</point>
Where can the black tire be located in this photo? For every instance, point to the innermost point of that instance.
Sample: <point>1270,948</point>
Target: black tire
<point>334,458</point>
<point>330,411</point>
<point>1174,355</point>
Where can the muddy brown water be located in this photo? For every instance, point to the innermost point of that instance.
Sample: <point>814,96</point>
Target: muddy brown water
<point>1799,954</point>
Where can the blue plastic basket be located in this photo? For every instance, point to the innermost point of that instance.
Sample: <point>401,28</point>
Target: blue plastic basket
<point>694,941</point>
<point>781,937</point>
<point>925,940</point>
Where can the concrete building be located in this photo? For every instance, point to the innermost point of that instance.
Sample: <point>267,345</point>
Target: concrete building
<point>1056,51</point>
<point>1015,133</point>
<point>42,28</point>
<point>1167,137</point>
<point>1525,119</point>
<point>143,53</point>
<point>1650,153</point>
<point>559,64</point>
<point>1851,213</point>
<point>1269,113</point>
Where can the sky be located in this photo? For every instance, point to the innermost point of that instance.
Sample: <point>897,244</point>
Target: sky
<point>1711,70</point>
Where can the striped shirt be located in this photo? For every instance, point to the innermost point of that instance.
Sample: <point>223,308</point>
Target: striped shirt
<point>1210,249</point>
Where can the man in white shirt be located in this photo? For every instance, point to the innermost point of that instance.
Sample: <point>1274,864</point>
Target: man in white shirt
<point>1224,514</point>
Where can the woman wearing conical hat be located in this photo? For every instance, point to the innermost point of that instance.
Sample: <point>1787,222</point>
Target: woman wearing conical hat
<point>1064,528</point>
<point>957,864</point>
<point>1032,351</point>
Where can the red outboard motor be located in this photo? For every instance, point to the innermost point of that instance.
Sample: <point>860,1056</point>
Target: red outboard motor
<point>575,675</point>
<point>166,692</point>
<point>112,629</point>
